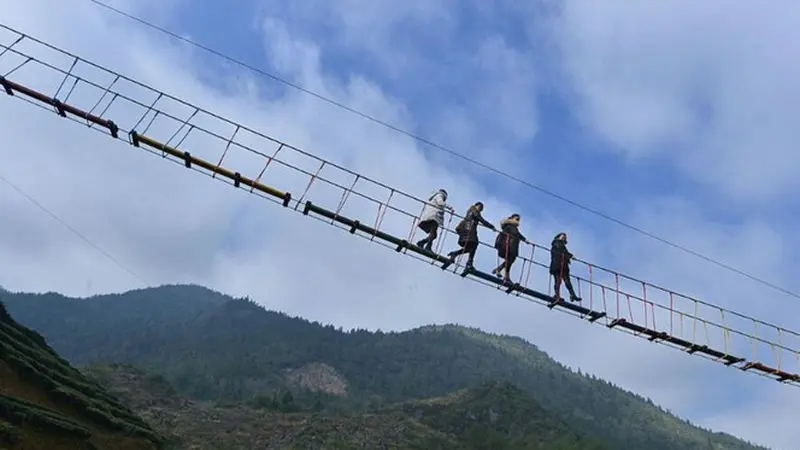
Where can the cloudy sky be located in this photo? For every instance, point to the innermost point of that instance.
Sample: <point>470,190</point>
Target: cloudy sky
<point>673,116</point>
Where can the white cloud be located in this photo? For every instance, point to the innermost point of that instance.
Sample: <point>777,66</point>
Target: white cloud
<point>171,225</point>
<point>783,416</point>
<point>710,85</point>
<point>486,87</point>
<point>370,28</point>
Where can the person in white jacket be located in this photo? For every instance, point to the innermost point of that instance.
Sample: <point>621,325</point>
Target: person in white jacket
<point>432,217</point>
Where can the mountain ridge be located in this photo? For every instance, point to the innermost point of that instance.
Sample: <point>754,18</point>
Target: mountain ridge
<point>219,347</point>
<point>485,417</point>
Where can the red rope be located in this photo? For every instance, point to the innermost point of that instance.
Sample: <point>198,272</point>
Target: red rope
<point>269,160</point>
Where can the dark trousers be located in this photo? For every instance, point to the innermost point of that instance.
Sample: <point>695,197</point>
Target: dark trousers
<point>508,261</point>
<point>563,275</point>
<point>467,247</point>
<point>431,227</point>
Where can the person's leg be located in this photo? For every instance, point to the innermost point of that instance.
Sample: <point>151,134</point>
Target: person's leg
<point>508,263</point>
<point>426,227</point>
<point>556,285</point>
<point>432,235</point>
<point>422,241</point>
<point>463,244</point>
<point>455,253</point>
<point>496,271</point>
<point>471,247</point>
<point>568,283</point>
<point>500,267</point>
<point>501,256</point>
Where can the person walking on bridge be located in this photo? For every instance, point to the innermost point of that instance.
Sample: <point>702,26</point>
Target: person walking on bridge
<point>507,245</point>
<point>560,258</point>
<point>432,217</point>
<point>467,231</point>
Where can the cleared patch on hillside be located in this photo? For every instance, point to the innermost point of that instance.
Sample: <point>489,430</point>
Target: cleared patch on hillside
<point>318,377</point>
<point>496,416</point>
<point>234,350</point>
<point>202,425</point>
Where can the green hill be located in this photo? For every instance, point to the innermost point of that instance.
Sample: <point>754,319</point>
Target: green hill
<point>221,348</point>
<point>498,416</point>
<point>494,416</point>
<point>45,403</point>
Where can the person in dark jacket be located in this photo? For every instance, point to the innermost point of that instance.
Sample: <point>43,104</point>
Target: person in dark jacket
<point>467,231</point>
<point>507,245</point>
<point>560,258</point>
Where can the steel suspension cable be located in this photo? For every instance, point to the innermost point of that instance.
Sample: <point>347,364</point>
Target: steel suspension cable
<point>183,156</point>
<point>69,227</point>
<point>451,152</point>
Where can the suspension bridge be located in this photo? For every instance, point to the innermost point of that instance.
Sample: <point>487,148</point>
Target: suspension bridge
<point>132,112</point>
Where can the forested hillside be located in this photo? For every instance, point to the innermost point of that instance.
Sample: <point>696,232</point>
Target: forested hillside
<point>492,416</point>
<point>214,347</point>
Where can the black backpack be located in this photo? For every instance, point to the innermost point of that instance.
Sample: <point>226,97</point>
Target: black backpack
<point>461,227</point>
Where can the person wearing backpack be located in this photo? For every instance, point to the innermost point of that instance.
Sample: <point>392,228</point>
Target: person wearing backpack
<point>467,230</point>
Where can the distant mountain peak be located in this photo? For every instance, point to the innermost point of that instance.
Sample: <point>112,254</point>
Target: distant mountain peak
<point>212,346</point>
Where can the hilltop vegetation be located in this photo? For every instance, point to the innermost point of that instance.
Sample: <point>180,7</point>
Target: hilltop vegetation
<point>498,416</point>
<point>47,403</point>
<point>493,416</point>
<point>212,347</point>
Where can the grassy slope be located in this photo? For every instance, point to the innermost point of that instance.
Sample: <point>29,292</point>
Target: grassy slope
<point>46,403</point>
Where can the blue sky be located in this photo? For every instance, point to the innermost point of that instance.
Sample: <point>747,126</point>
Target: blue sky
<point>432,69</point>
<point>440,75</point>
<point>661,117</point>
<point>430,65</point>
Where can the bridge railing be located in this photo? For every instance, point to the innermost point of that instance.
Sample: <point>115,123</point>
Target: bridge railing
<point>166,125</point>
